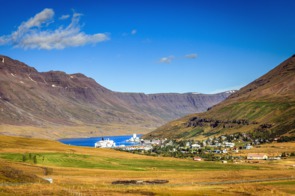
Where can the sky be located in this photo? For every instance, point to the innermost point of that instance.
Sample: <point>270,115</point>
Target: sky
<point>151,46</point>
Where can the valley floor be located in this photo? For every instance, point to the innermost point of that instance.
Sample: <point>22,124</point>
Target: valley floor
<point>88,171</point>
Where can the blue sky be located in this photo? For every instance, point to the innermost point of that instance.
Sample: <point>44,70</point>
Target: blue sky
<point>151,46</point>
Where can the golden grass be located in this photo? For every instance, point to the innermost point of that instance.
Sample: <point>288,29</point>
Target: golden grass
<point>87,181</point>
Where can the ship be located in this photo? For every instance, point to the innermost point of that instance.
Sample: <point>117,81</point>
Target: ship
<point>134,139</point>
<point>105,143</point>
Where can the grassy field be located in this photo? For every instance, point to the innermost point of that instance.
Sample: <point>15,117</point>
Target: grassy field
<point>128,164</point>
<point>89,171</point>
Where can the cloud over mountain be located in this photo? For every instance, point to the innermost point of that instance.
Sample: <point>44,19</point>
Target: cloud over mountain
<point>30,34</point>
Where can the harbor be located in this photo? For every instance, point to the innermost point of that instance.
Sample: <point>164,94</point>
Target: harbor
<point>120,140</point>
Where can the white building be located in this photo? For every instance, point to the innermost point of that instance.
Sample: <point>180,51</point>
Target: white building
<point>224,151</point>
<point>257,156</point>
<point>196,146</point>
<point>248,147</point>
<point>229,144</point>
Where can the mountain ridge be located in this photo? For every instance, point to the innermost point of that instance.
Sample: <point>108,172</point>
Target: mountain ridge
<point>264,107</point>
<point>55,98</point>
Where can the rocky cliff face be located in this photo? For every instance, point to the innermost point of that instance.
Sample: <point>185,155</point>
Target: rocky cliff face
<point>171,105</point>
<point>28,97</point>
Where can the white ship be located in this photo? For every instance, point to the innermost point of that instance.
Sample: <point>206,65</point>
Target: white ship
<point>105,144</point>
<point>134,138</point>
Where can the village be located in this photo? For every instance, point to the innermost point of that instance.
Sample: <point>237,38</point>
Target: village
<point>225,148</point>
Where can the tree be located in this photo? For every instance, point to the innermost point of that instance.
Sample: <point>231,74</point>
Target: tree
<point>24,158</point>
<point>35,159</point>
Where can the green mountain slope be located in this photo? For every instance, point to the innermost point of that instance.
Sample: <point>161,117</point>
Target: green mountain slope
<point>265,108</point>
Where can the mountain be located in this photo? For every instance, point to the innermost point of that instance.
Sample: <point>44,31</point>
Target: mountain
<point>264,108</point>
<point>56,104</point>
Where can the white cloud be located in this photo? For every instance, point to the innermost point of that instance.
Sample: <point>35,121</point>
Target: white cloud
<point>64,17</point>
<point>191,56</point>
<point>38,19</point>
<point>166,59</point>
<point>30,36</point>
<point>4,40</point>
<point>133,32</point>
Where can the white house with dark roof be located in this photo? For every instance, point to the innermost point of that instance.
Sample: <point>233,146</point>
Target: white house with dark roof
<point>257,156</point>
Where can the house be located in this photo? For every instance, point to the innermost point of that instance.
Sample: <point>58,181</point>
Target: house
<point>275,158</point>
<point>170,143</point>
<point>198,159</point>
<point>257,156</point>
<point>229,144</point>
<point>155,142</point>
<point>236,150</point>
<point>224,151</point>
<point>147,148</point>
<point>196,146</point>
<point>248,147</point>
<point>50,180</point>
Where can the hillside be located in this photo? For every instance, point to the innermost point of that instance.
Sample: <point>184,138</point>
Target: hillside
<point>55,104</point>
<point>265,108</point>
<point>25,162</point>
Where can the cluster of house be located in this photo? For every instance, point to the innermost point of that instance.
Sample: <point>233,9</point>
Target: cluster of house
<point>223,141</point>
<point>250,156</point>
<point>133,148</point>
<point>141,144</point>
<point>219,145</point>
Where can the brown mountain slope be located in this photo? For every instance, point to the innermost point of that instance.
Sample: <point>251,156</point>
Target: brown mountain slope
<point>265,107</point>
<point>57,100</point>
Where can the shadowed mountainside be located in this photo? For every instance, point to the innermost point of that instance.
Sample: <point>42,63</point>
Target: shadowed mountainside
<point>54,98</point>
<point>265,108</point>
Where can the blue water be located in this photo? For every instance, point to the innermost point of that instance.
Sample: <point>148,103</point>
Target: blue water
<point>119,140</point>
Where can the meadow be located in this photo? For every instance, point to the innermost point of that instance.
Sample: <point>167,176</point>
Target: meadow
<point>89,171</point>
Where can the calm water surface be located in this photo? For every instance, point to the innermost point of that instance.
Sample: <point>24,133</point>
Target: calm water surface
<point>119,140</point>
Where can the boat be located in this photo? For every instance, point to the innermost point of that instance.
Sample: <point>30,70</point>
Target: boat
<point>134,139</point>
<point>105,143</point>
